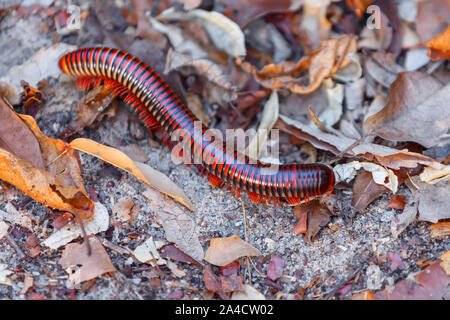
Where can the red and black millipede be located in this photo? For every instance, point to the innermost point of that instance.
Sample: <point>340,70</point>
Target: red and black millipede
<point>159,106</point>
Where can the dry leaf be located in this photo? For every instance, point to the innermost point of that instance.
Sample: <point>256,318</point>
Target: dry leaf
<point>403,220</point>
<point>27,284</point>
<point>245,11</point>
<point>224,33</point>
<point>320,64</point>
<point>365,190</point>
<point>178,226</point>
<point>223,251</point>
<point>144,27</point>
<point>358,6</point>
<point>3,229</point>
<point>440,46</point>
<point>386,156</point>
<point>92,266</point>
<point>42,65</point>
<point>445,264</point>
<point>434,201</point>
<point>148,252</point>
<point>432,176</point>
<point>90,108</point>
<point>98,223</point>
<point>318,216</point>
<point>314,25</point>
<point>204,67</point>
<point>440,229</point>
<point>141,171</point>
<point>363,295</point>
<point>415,115</point>
<point>12,215</point>
<point>382,176</point>
<point>178,41</point>
<point>275,267</point>
<point>429,284</point>
<point>43,187</point>
<point>4,275</point>
<point>433,17</point>
<point>123,209</point>
<point>270,115</point>
<point>249,293</point>
<point>397,202</point>
<point>17,138</point>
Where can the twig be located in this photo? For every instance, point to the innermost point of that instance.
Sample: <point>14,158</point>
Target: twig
<point>316,120</point>
<point>15,246</point>
<point>345,280</point>
<point>246,239</point>
<point>116,248</point>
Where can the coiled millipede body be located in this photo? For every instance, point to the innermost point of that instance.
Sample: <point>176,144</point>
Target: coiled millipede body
<point>159,106</point>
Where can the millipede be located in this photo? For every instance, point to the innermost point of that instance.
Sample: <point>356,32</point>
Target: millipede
<point>159,106</point>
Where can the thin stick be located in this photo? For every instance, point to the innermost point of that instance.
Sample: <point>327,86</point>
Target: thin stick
<point>15,246</point>
<point>345,280</point>
<point>246,239</point>
<point>83,231</point>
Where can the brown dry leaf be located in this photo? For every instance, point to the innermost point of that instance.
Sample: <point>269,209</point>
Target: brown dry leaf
<point>144,27</point>
<point>432,176</point>
<point>314,25</point>
<point>385,156</point>
<point>245,11</point>
<point>204,67</point>
<point>365,190</point>
<point>320,64</point>
<point>224,33</point>
<point>440,229</point>
<point>415,115</point>
<point>124,209</point>
<point>302,215</point>
<point>433,17</point>
<point>445,264</point>
<point>3,229</point>
<point>397,202</point>
<point>178,226</point>
<point>358,6</point>
<point>190,4</point>
<point>140,170</point>
<point>90,108</point>
<point>17,138</point>
<point>317,216</point>
<point>428,284</point>
<point>363,295</point>
<point>43,64</point>
<point>14,216</point>
<point>32,245</point>
<point>249,293</point>
<point>403,220</point>
<point>92,266</point>
<point>383,68</point>
<point>434,201</point>
<point>135,152</point>
<point>223,251</point>
<point>60,185</point>
<point>275,267</point>
<point>439,46</point>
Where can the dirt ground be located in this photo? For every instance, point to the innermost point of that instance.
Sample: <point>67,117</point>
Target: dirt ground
<point>351,242</point>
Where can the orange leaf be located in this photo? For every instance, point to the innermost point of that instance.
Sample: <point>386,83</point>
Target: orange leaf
<point>57,182</point>
<point>145,173</point>
<point>321,64</point>
<point>439,46</point>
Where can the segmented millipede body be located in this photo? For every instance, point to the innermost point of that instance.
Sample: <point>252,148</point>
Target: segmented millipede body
<point>159,106</point>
